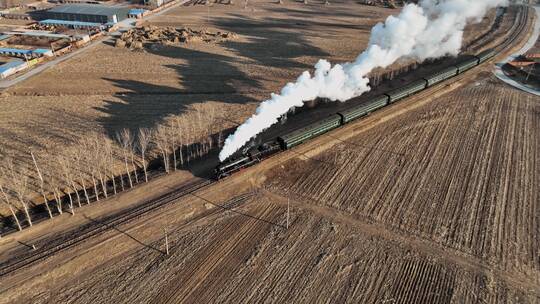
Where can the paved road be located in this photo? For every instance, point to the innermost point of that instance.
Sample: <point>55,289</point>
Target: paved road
<point>123,25</point>
<point>532,41</point>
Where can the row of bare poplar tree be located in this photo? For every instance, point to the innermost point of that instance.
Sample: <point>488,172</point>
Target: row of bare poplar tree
<point>97,167</point>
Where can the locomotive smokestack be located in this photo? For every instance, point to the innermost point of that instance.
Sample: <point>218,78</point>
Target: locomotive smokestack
<point>431,29</point>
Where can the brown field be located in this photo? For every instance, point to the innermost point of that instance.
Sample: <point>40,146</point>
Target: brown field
<point>107,89</point>
<point>432,200</point>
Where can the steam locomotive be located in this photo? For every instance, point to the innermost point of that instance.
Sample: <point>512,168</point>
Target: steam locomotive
<point>256,154</point>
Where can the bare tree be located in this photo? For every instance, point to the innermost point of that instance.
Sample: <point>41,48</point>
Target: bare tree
<point>41,184</point>
<point>10,205</point>
<point>143,142</point>
<point>100,161</point>
<point>172,141</point>
<point>109,155</point>
<point>87,155</point>
<point>124,139</point>
<point>66,175</point>
<point>56,184</point>
<point>162,143</point>
<point>19,183</point>
<point>77,154</point>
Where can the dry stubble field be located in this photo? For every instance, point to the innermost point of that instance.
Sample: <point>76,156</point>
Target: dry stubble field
<point>107,89</point>
<point>437,205</point>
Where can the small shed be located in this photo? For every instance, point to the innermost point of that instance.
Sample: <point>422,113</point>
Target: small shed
<point>11,68</point>
<point>136,13</point>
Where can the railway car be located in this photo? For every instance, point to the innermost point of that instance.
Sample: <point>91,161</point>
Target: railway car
<point>486,55</point>
<point>467,65</point>
<point>252,156</point>
<point>364,109</point>
<point>299,136</point>
<point>441,76</point>
<point>406,91</point>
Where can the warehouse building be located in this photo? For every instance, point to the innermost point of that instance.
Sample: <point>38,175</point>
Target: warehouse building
<point>91,13</point>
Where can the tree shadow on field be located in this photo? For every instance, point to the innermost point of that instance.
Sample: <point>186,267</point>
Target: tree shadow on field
<point>272,42</point>
<point>205,75</point>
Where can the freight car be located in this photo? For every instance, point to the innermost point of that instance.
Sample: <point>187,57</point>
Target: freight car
<point>289,140</point>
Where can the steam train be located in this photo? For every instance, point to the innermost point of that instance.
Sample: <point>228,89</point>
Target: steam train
<point>256,154</point>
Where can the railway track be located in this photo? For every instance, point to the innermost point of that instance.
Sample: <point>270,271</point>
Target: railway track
<point>70,239</point>
<point>524,14</point>
<point>95,228</point>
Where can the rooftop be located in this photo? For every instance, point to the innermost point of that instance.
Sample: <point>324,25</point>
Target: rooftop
<point>8,65</point>
<point>17,51</point>
<point>86,9</point>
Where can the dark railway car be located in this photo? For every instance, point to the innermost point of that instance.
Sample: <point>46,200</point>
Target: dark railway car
<point>364,109</point>
<point>299,136</point>
<point>467,65</point>
<point>441,76</point>
<point>406,91</point>
<point>486,55</point>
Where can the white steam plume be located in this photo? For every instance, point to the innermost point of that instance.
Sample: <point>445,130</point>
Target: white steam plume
<point>432,29</point>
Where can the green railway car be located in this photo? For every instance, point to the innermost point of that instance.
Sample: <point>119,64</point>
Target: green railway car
<point>486,55</point>
<point>361,110</point>
<point>467,65</point>
<point>441,76</point>
<point>297,137</point>
<point>407,90</point>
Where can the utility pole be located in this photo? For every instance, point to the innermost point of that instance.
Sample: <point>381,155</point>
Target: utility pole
<point>166,241</point>
<point>529,73</point>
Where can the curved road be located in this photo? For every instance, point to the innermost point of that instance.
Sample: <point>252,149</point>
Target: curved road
<point>530,43</point>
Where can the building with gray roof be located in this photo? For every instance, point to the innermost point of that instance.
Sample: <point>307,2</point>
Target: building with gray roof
<point>88,13</point>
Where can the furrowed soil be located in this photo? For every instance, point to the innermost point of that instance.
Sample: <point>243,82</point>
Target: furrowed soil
<point>107,89</point>
<point>431,200</point>
<point>423,202</point>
